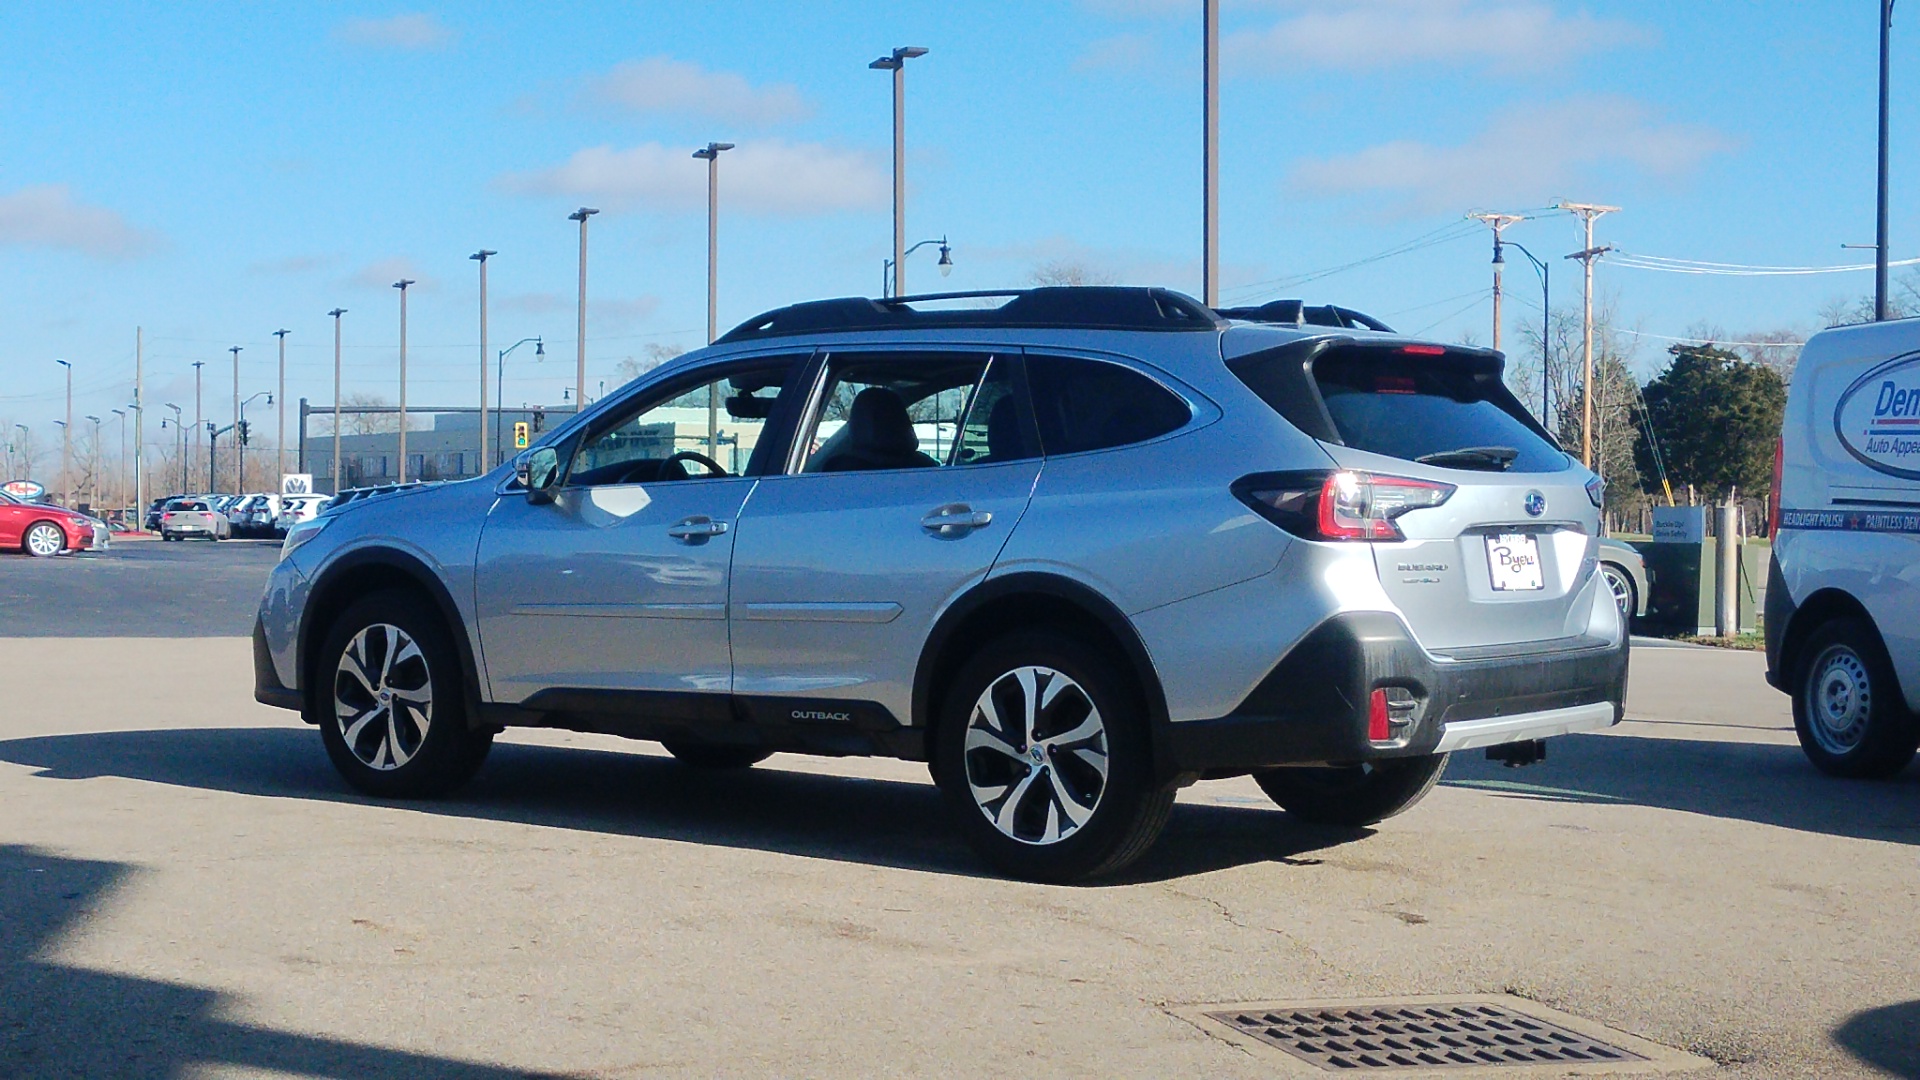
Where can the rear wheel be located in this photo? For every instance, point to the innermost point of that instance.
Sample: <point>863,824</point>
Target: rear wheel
<point>703,756</point>
<point>1352,795</point>
<point>394,714</point>
<point>1620,584</point>
<point>1043,752</point>
<point>1846,707</point>
<point>43,538</point>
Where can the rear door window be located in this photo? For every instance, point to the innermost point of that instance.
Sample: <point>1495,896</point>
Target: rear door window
<point>1093,405</point>
<point>1455,413</point>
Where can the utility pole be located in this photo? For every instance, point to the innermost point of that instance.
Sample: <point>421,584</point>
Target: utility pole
<point>580,337</point>
<point>280,439</point>
<point>120,471</point>
<point>195,441</point>
<point>1498,222</point>
<point>711,155</point>
<point>1588,212</point>
<point>1210,182</point>
<point>66,443</point>
<point>1880,228</point>
<point>239,482</point>
<point>139,424</point>
<point>897,63</point>
<point>481,258</point>
<point>402,286</point>
<point>336,313</point>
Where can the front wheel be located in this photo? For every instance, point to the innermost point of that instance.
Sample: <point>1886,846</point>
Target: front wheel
<point>1620,585</point>
<point>1847,710</point>
<point>1352,795</point>
<point>44,538</point>
<point>393,708</point>
<point>1043,752</point>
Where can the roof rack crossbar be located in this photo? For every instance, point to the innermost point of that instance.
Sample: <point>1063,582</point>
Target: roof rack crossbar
<point>1083,307</point>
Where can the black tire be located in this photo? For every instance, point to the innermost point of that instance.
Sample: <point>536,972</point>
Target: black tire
<point>1847,708</point>
<point>1352,795</point>
<point>447,754</point>
<point>1620,582</point>
<point>717,758</point>
<point>42,529</point>
<point>1127,810</point>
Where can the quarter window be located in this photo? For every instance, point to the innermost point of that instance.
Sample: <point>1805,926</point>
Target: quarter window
<point>1092,405</point>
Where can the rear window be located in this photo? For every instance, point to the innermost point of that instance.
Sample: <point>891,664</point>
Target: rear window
<point>1092,405</point>
<point>1434,408</point>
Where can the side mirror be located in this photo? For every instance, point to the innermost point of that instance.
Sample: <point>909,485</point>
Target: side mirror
<point>537,469</point>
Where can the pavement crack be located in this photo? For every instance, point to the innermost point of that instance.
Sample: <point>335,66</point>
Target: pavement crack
<point>1226,914</point>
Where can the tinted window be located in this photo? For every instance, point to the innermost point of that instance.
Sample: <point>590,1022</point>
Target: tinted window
<point>1092,405</point>
<point>1451,411</point>
<point>893,411</point>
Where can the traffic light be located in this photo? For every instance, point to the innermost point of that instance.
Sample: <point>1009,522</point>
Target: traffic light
<point>520,439</point>
<point>539,418</point>
<point>243,434</point>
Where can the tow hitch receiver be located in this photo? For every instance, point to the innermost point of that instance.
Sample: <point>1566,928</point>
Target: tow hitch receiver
<point>1514,755</point>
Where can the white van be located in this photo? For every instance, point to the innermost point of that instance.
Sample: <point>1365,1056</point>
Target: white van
<point>1843,592</point>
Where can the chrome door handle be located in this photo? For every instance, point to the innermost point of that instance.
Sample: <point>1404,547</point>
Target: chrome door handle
<point>955,519</point>
<point>696,528</point>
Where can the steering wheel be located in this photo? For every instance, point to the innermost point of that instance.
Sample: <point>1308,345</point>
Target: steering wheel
<point>671,469</point>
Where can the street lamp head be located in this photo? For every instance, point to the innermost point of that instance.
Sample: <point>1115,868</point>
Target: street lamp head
<point>337,312</point>
<point>482,255</point>
<point>118,412</point>
<point>581,215</point>
<point>282,335</point>
<point>539,347</point>
<point>899,57</point>
<point>403,283</point>
<point>235,349</point>
<point>64,364</point>
<point>93,418</point>
<point>946,259</point>
<point>712,150</point>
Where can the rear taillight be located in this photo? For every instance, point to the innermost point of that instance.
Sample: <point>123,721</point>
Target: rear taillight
<point>1773,496</point>
<point>1344,505</point>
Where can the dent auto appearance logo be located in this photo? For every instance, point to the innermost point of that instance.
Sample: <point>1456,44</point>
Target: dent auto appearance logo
<point>1878,417</point>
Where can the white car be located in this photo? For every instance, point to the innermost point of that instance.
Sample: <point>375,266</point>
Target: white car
<point>295,509</point>
<point>1843,601</point>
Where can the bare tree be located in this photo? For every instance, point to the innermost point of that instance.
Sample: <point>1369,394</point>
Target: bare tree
<point>651,356</point>
<point>1069,272</point>
<point>362,423</point>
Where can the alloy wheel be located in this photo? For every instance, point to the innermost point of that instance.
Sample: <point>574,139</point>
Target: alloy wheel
<point>1036,755</point>
<point>44,540</point>
<point>383,696</point>
<point>1620,587</point>
<point>1839,699</point>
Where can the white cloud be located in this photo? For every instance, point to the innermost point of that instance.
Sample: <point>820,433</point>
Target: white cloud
<point>537,303</point>
<point>412,32</point>
<point>1528,154</point>
<point>661,84</point>
<point>1374,34</point>
<point>1121,52</point>
<point>47,216</point>
<point>382,273</point>
<point>769,176</point>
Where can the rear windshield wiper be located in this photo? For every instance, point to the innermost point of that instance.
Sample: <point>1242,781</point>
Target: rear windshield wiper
<point>1485,458</point>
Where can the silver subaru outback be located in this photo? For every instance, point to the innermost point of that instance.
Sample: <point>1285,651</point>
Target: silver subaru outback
<point>1073,547</point>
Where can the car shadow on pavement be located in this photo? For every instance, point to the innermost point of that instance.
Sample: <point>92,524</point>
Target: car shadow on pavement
<point>61,1021</point>
<point>1757,782</point>
<point>1887,1038</point>
<point>870,821</point>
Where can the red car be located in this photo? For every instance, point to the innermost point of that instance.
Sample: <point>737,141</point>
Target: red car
<point>40,529</point>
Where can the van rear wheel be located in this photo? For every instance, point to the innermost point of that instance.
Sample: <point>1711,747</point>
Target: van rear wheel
<point>1352,795</point>
<point>1847,709</point>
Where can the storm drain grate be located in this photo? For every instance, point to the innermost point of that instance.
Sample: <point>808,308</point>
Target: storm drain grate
<point>1382,1038</point>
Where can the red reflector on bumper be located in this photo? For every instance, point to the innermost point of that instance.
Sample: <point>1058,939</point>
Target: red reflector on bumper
<point>1377,726</point>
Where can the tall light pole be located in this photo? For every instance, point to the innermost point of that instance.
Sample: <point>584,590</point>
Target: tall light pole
<point>1587,212</point>
<point>180,436</point>
<point>66,441</point>
<point>711,154</point>
<point>120,472</point>
<point>27,440</point>
<point>239,481</point>
<point>336,313</point>
<point>481,257</point>
<point>897,63</point>
<point>1499,223</point>
<point>402,286</point>
<point>580,338</point>
<point>197,422</point>
<point>139,422</point>
<point>1880,226</point>
<point>280,437</point>
<point>945,264</point>
<point>93,500</point>
<point>1210,154</point>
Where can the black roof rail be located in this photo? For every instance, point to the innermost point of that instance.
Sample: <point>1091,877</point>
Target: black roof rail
<point>1065,307</point>
<point>1298,313</point>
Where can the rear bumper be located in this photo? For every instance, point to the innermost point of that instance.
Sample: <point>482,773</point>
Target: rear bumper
<point>1312,708</point>
<point>267,688</point>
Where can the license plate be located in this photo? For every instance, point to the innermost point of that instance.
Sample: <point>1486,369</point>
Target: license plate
<point>1514,559</point>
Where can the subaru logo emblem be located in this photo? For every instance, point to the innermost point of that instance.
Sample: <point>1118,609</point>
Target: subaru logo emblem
<point>1536,504</point>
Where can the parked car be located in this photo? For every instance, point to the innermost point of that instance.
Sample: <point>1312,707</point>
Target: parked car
<point>42,529</point>
<point>295,509</point>
<point>1281,541</point>
<point>256,515</point>
<point>184,518</point>
<point>154,510</point>
<point>1842,614</point>
<point>1625,572</point>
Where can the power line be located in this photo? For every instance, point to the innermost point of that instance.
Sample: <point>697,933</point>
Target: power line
<point>1696,266</point>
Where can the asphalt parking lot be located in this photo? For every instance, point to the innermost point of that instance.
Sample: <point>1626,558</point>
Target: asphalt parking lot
<point>186,889</point>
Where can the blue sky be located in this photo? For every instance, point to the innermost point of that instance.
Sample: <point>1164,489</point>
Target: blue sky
<point>213,172</point>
